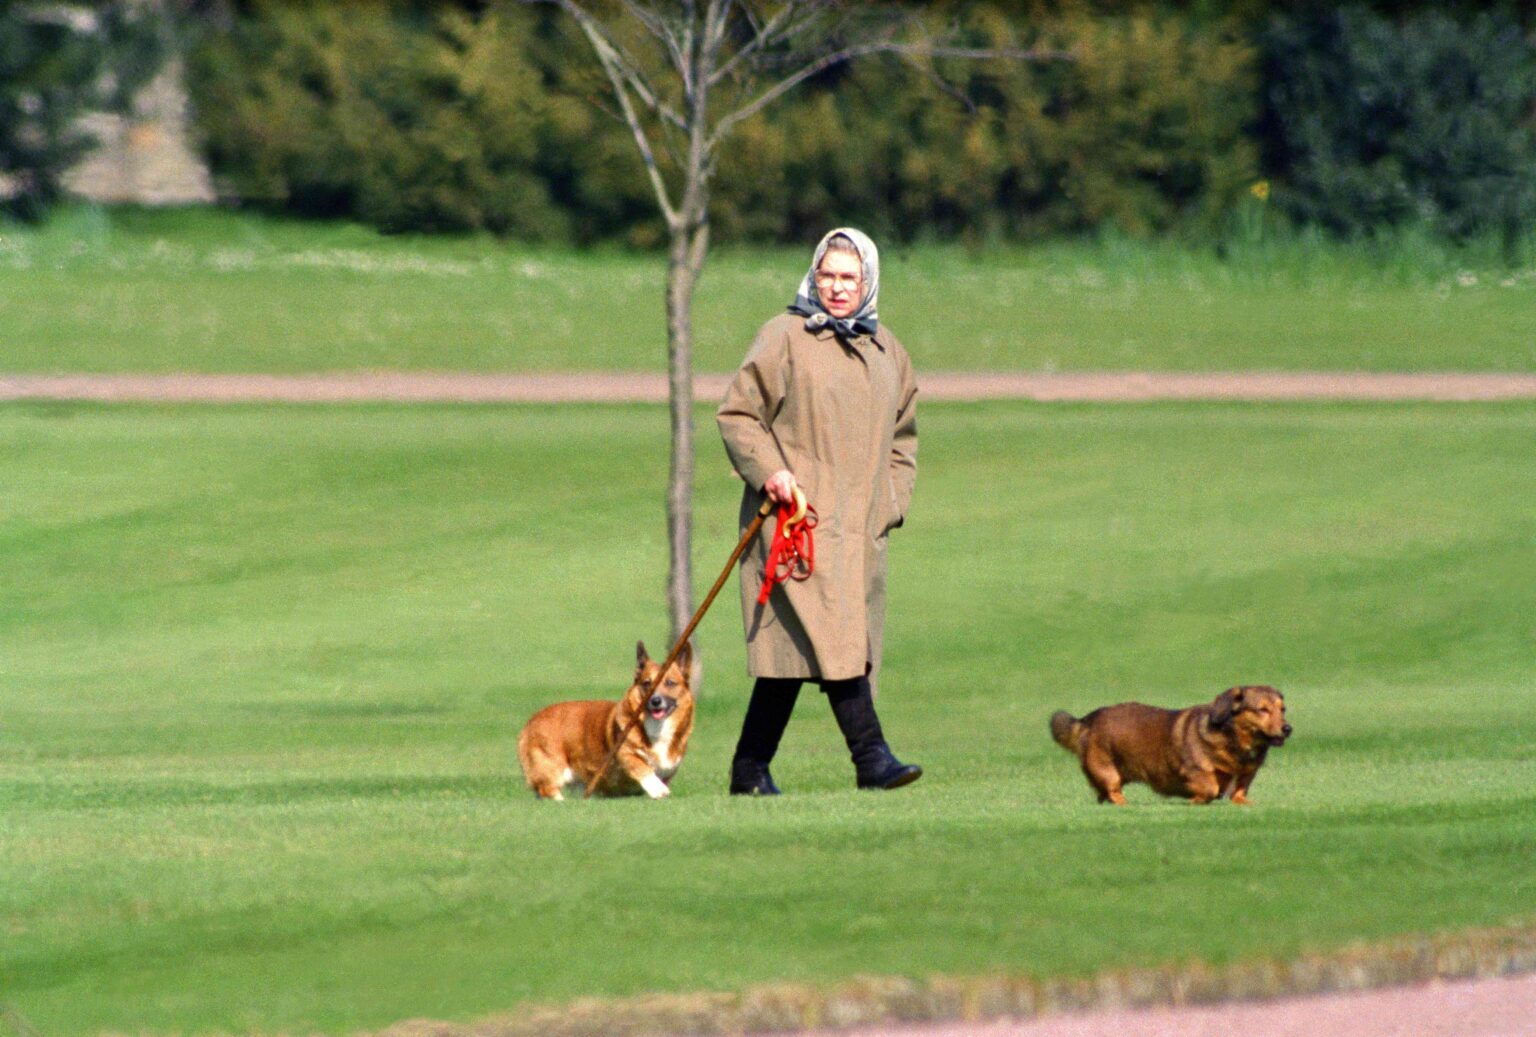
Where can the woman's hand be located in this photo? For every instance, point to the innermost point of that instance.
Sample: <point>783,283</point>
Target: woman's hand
<point>781,486</point>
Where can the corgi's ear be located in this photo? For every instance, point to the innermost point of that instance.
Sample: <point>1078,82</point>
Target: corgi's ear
<point>641,658</point>
<point>685,660</point>
<point>1221,709</point>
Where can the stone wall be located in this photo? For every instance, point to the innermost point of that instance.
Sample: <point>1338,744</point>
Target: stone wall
<point>145,157</point>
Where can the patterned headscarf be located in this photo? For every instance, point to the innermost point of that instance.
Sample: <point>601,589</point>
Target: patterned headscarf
<point>862,321</point>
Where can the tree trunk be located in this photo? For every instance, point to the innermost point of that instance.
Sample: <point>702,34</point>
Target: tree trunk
<point>681,278</point>
<point>689,246</point>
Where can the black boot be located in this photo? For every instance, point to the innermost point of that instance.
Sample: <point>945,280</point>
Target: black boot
<point>751,778</point>
<point>773,700</point>
<point>875,767</point>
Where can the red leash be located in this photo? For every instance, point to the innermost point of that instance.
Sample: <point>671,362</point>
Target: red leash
<point>792,555</point>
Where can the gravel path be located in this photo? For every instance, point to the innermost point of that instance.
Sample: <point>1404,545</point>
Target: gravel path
<point>462,387</point>
<point>1469,1008</point>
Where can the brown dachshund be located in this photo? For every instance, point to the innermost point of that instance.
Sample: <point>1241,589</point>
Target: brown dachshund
<point>1202,753</point>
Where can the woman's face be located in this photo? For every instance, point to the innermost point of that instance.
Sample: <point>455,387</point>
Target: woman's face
<point>840,283</point>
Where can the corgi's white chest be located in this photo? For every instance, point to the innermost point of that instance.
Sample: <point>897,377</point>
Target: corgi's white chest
<point>660,733</point>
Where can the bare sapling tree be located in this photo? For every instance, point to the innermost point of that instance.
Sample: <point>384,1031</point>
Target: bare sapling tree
<point>684,74</point>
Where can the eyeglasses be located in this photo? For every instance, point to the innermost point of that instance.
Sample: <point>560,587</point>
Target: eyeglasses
<point>848,282</point>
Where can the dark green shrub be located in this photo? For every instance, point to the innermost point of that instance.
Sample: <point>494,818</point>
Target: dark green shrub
<point>412,119</point>
<point>1370,122</point>
<point>587,154</point>
<point>403,120</point>
<point>1144,130</point>
<point>1141,128</point>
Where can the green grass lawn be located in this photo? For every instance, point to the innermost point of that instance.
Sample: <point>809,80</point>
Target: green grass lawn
<point>199,290</point>
<point>263,669</point>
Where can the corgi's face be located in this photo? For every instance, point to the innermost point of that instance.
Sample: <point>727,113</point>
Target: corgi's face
<point>655,694</point>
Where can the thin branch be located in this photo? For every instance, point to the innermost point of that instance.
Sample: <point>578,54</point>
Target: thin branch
<point>688,54</point>
<point>657,26</point>
<point>939,81</point>
<point>665,143</point>
<point>682,56</point>
<point>704,47</point>
<point>646,17</point>
<point>1036,54</point>
<point>783,86</point>
<point>811,19</point>
<point>716,17</point>
<point>837,57</point>
<point>609,52</point>
<point>610,61</point>
<point>763,36</point>
<point>641,85</point>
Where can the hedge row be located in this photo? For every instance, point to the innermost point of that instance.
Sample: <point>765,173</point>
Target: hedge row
<point>439,117</point>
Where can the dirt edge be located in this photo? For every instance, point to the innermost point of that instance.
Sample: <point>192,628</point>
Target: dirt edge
<point>876,1000</point>
<point>635,387</point>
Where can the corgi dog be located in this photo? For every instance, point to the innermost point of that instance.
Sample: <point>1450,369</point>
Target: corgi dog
<point>563,746</point>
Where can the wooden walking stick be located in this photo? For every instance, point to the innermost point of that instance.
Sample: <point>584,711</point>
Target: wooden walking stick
<point>709,599</point>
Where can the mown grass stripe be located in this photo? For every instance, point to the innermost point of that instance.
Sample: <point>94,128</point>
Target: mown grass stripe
<point>263,667</point>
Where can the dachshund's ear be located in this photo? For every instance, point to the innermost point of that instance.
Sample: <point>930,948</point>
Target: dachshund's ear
<point>1221,709</point>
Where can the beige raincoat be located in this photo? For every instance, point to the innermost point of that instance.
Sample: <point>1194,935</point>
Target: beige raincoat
<point>842,418</point>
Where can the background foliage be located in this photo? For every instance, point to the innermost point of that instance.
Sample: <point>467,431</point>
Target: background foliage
<point>1372,122</point>
<point>405,121</point>
<point>412,117</point>
<point>1142,130</point>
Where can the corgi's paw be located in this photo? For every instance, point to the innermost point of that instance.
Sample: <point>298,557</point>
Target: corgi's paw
<point>655,787</point>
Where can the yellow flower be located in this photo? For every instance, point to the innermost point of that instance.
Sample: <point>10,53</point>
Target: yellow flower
<point>1260,190</point>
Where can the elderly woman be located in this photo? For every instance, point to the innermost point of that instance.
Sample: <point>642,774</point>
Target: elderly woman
<point>825,401</point>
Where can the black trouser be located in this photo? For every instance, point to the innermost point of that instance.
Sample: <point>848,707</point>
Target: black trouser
<point>773,700</point>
